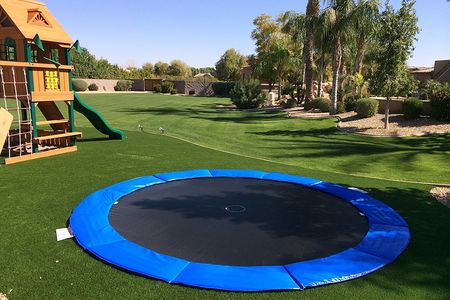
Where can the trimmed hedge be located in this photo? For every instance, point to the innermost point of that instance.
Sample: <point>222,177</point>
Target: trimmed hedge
<point>367,107</point>
<point>123,85</point>
<point>222,89</point>
<point>412,108</point>
<point>248,94</point>
<point>79,85</point>
<point>93,87</point>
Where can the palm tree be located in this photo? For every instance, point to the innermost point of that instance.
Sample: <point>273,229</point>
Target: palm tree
<point>312,13</point>
<point>365,26</point>
<point>341,16</point>
<point>323,45</point>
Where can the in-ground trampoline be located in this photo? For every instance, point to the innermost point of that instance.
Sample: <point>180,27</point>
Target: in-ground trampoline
<point>239,230</point>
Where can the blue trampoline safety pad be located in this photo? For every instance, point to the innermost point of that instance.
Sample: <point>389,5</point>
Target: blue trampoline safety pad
<point>387,238</point>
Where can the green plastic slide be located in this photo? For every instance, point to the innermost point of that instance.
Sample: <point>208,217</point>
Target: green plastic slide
<point>97,119</point>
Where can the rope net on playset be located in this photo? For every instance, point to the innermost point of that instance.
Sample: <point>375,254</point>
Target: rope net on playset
<point>16,100</point>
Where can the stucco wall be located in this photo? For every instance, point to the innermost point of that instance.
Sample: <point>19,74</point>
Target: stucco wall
<point>104,85</point>
<point>396,106</point>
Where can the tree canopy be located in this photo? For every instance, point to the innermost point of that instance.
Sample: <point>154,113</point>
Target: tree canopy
<point>229,66</point>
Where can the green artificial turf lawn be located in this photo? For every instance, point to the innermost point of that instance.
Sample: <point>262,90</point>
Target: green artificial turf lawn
<point>315,144</point>
<point>37,197</point>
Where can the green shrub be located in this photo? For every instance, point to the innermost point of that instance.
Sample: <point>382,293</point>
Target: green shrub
<point>350,103</point>
<point>288,90</point>
<point>440,101</point>
<point>222,89</point>
<point>157,88</point>
<point>167,87</point>
<point>93,87</point>
<point>315,103</point>
<point>123,85</point>
<point>290,103</point>
<point>367,107</point>
<point>322,104</point>
<point>341,107</point>
<point>248,94</point>
<point>79,85</point>
<point>412,108</point>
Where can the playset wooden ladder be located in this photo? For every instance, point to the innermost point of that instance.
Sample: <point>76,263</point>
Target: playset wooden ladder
<point>24,140</point>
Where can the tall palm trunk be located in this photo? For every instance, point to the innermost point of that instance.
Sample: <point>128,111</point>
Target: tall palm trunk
<point>360,54</point>
<point>387,112</point>
<point>312,12</point>
<point>280,80</point>
<point>337,58</point>
<point>321,70</point>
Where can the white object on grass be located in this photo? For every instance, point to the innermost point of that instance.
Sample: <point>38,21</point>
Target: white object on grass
<point>63,234</point>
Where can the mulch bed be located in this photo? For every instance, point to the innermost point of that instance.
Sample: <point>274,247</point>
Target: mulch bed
<point>399,126</point>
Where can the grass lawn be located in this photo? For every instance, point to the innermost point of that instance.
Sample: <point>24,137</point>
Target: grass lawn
<point>37,197</point>
<point>314,144</point>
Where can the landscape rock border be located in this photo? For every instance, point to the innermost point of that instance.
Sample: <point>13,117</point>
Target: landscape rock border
<point>442,194</point>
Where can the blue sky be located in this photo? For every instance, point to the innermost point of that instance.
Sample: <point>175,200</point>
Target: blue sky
<point>199,31</point>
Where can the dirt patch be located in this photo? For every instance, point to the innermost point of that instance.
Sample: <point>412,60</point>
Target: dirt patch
<point>398,125</point>
<point>3,297</point>
<point>442,194</point>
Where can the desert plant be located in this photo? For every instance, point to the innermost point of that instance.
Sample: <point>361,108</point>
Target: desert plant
<point>341,107</point>
<point>350,102</point>
<point>248,94</point>
<point>123,85</point>
<point>367,107</point>
<point>412,108</point>
<point>79,85</point>
<point>93,87</point>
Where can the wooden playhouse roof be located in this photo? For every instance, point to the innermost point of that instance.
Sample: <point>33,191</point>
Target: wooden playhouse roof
<point>32,17</point>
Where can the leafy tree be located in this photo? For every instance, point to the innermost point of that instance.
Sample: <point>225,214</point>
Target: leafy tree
<point>279,55</point>
<point>229,66</point>
<point>293,24</point>
<point>161,69</point>
<point>147,70</point>
<point>87,65</point>
<point>84,64</point>
<point>267,35</point>
<point>396,37</point>
<point>179,68</point>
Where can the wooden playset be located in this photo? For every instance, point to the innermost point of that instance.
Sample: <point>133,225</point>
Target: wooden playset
<point>36,84</point>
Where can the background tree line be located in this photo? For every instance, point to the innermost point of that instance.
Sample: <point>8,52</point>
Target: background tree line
<point>88,66</point>
<point>354,44</point>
